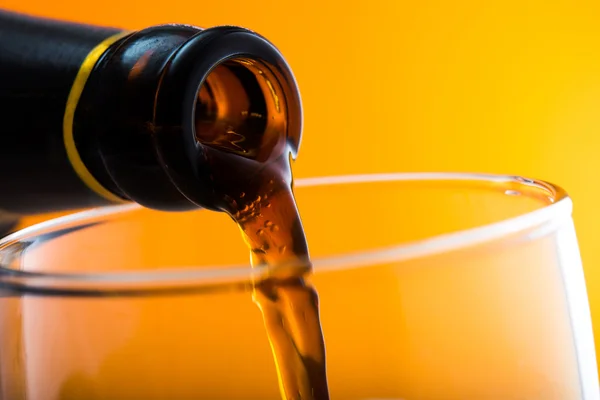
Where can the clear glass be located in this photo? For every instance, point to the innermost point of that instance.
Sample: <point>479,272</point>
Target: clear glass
<point>432,286</point>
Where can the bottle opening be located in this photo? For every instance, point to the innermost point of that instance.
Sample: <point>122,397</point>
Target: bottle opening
<point>240,109</point>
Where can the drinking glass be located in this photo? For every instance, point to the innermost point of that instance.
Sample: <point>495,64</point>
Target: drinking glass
<point>431,286</point>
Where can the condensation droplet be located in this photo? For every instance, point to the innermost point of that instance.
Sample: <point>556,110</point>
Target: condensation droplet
<point>512,193</point>
<point>242,195</point>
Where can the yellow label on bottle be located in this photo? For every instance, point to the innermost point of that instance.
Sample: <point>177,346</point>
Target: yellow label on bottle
<point>80,80</point>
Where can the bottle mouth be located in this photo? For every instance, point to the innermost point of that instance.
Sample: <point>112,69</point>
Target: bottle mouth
<point>227,92</point>
<point>240,109</point>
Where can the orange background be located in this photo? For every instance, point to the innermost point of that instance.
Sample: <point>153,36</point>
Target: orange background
<point>498,86</point>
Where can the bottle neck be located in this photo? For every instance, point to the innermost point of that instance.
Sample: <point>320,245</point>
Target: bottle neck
<point>39,61</point>
<point>160,101</point>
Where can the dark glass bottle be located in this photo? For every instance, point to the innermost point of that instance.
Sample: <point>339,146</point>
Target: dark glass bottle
<point>92,116</point>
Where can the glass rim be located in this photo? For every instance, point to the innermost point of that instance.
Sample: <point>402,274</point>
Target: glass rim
<point>227,277</point>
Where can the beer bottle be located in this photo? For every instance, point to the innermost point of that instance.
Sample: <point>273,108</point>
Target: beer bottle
<point>92,116</point>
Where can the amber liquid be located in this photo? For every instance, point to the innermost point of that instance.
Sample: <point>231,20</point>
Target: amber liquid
<point>248,163</point>
<point>267,215</point>
<point>272,229</point>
